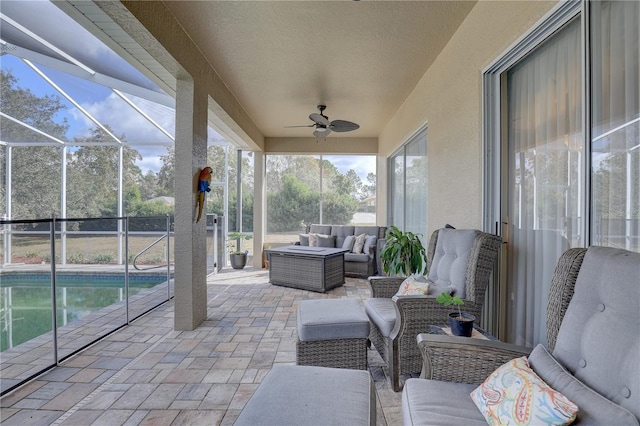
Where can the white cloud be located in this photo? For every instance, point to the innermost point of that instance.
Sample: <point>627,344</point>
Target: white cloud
<point>123,119</point>
<point>362,164</point>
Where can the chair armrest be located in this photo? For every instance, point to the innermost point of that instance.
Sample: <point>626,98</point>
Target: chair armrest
<point>464,359</point>
<point>385,287</point>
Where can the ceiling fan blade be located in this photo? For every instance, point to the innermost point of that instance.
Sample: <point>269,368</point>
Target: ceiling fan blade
<point>321,133</point>
<point>343,126</point>
<point>319,119</point>
<point>310,125</point>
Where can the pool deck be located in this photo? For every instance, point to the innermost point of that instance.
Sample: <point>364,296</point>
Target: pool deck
<point>148,373</point>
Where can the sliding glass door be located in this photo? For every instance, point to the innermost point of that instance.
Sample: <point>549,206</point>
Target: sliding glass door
<point>408,185</point>
<point>564,168</point>
<point>544,110</point>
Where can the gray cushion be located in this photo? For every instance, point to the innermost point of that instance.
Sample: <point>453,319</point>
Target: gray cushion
<point>341,232</point>
<point>326,241</point>
<point>320,229</point>
<point>369,230</point>
<point>331,319</point>
<point>304,239</point>
<point>370,241</point>
<point>307,395</point>
<point>348,242</point>
<point>356,257</point>
<point>598,341</point>
<point>431,402</point>
<point>382,312</point>
<point>594,409</point>
<point>451,257</point>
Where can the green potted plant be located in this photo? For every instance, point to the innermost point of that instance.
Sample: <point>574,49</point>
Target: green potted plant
<point>238,258</point>
<point>403,253</point>
<point>461,323</point>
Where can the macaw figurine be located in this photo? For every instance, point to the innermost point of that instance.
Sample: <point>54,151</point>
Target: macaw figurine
<point>204,181</point>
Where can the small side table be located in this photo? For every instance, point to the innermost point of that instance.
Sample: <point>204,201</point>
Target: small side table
<point>478,333</point>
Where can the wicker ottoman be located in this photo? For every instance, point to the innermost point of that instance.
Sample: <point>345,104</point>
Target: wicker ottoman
<point>332,333</point>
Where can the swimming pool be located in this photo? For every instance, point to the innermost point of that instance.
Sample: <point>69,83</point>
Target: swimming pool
<point>26,301</point>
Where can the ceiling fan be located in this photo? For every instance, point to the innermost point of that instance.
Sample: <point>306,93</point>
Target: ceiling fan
<point>323,127</point>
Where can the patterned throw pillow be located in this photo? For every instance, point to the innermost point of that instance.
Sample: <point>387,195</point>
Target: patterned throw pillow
<point>415,285</point>
<point>514,394</point>
<point>313,240</point>
<point>358,245</point>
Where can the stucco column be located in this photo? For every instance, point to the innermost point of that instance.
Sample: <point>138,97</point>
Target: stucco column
<point>190,237</point>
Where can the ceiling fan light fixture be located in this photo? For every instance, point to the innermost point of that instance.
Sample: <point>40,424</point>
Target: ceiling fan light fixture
<point>321,132</point>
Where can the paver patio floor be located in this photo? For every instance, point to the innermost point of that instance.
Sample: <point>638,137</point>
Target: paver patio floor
<point>149,374</point>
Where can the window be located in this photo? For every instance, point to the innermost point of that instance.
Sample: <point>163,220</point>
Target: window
<point>615,124</point>
<point>408,185</point>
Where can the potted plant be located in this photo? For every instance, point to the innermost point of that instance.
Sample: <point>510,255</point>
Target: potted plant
<point>403,253</point>
<point>461,323</point>
<point>237,257</point>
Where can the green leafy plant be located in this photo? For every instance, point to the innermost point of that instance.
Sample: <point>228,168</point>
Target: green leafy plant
<point>78,258</point>
<point>447,300</point>
<point>233,237</point>
<point>403,253</point>
<point>104,258</point>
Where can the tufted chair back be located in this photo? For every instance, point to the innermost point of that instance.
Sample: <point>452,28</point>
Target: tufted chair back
<point>460,262</point>
<point>598,340</point>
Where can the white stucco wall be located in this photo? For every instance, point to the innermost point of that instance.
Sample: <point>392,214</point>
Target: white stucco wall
<point>449,99</point>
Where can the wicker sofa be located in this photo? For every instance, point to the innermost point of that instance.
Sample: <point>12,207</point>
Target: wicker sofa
<point>359,265</point>
<point>593,355</point>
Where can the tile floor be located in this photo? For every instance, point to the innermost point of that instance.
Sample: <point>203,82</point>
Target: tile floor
<point>149,374</point>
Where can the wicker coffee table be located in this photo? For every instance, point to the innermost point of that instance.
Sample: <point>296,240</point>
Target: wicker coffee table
<point>306,268</point>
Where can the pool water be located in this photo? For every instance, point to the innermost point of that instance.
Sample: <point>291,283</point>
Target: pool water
<point>25,300</point>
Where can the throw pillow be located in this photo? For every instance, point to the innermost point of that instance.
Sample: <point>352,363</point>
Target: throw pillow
<point>326,240</point>
<point>515,395</point>
<point>358,245</point>
<point>348,242</point>
<point>313,240</point>
<point>304,239</point>
<point>415,285</point>
<point>369,241</point>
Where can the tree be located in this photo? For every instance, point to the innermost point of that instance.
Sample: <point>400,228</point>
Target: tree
<point>293,206</point>
<point>347,184</point>
<point>35,169</point>
<point>369,189</point>
<point>166,175</point>
<point>92,177</point>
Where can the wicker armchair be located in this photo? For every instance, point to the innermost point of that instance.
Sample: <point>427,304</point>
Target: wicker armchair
<point>397,320</point>
<point>591,358</point>
<point>445,356</point>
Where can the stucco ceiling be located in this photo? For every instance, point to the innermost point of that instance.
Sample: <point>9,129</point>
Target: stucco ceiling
<point>282,58</point>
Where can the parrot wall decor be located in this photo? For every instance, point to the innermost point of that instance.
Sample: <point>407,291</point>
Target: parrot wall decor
<point>204,183</point>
